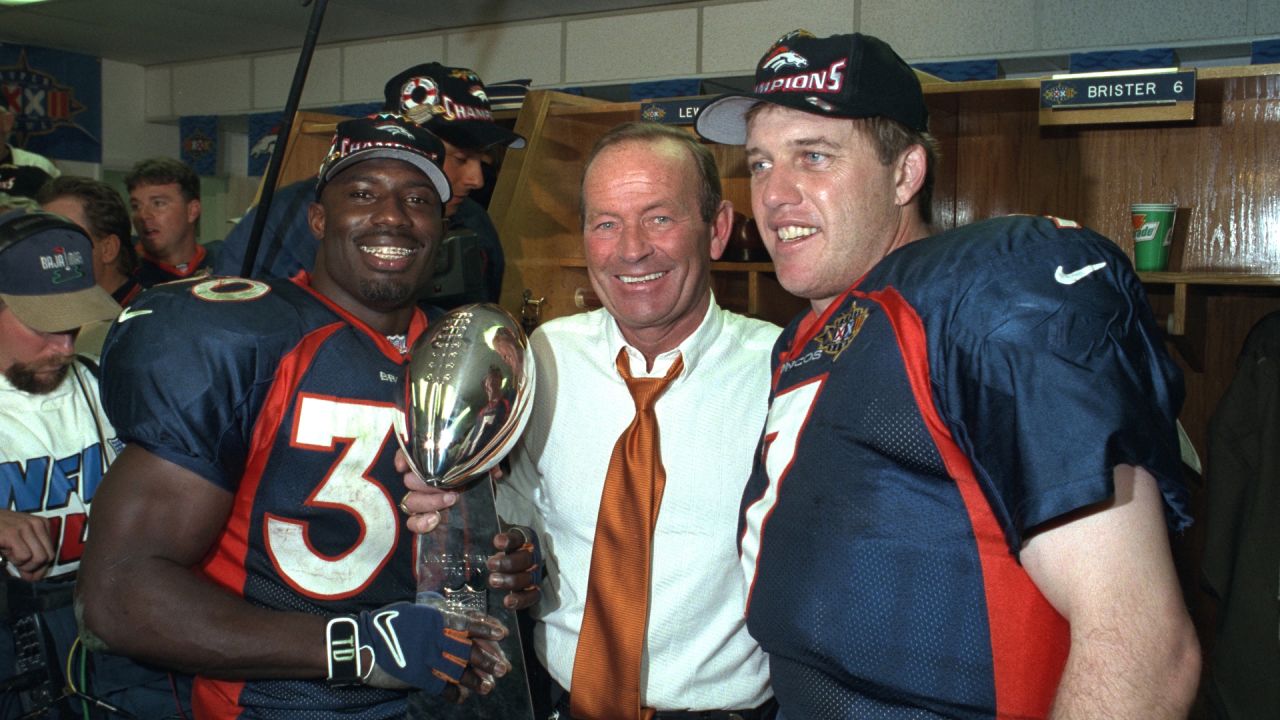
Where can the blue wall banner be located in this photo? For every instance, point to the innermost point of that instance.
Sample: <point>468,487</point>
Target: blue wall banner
<point>199,140</point>
<point>1265,51</point>
<point>57,97</point>
<point>263,129</point>
<point>1105,60</point>
<point>962,71</point>
<point>659,89</point>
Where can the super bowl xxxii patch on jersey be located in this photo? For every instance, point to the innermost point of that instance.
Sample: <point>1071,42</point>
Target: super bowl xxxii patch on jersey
<point>841,330</point>
<point>231,289</point>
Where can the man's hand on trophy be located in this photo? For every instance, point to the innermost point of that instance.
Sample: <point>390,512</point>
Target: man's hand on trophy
<point>488,661</point>
<point>517,567</point>
<point>484,653</point>
<point>403,645</point>
<point>424,504</point>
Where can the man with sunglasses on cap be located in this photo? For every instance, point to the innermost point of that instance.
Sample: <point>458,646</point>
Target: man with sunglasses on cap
<point>55,445</point>
<point>249,530</point>
<point>450,102</point>
<point>959,504</point>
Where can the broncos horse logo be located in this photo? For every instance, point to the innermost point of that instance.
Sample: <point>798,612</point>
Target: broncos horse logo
<point>265,145</point>
<point>782,58</point>
<point>393,129</point>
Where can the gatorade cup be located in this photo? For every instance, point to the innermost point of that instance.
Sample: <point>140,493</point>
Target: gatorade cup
<point>1152,233</point>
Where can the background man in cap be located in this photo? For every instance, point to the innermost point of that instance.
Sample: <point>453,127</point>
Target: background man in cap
<point>451,103</point>
<point>249,530</point>
<point>97,208</point>
<point>47,293</point>
<point>959,505</point>
<point>55,444</point>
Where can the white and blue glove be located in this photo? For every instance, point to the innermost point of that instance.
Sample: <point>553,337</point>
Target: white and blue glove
<point>402,646</point>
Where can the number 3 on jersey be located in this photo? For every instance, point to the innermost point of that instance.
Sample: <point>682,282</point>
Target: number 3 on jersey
<point>321,423</point>
<point>788,415</point>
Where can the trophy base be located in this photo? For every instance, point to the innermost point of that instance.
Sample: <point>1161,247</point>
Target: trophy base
<point>476,513</point>
<point>463,600</point>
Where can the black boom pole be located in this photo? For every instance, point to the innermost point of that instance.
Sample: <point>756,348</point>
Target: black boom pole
<point>282,137</point>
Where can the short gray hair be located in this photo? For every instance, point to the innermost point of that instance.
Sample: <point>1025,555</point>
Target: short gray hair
<point>709,190</point>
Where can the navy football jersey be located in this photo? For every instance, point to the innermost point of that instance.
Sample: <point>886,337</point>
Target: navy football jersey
<point>969,388</point>
<point>279,396</point>
<point>151,272</point>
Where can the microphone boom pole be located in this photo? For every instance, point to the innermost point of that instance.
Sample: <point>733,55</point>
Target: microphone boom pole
<point>282,138</point>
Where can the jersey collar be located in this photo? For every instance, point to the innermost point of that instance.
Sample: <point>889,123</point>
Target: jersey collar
<point>417,323</point>
<point>192,265</point>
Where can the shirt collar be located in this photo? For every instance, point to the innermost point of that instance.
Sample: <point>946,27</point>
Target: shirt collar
<point>692,348</point>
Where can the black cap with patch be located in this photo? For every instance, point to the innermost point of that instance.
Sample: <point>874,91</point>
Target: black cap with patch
<point>390,136</point>
<point>843,76</point>
<point>22,180</point>
<point>450,102</point>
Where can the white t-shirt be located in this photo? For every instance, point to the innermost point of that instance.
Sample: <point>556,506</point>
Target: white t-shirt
<point>54,450</point>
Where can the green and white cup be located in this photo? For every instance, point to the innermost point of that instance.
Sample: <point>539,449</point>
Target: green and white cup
<point>1152,233</point>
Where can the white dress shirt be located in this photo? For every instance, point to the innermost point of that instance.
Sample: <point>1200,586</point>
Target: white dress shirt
<point>698,655</point>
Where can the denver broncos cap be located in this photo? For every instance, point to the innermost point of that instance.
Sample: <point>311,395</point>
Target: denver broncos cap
<point>842,76</point>
<point>389,136</point>
<point>46,273</point>
<point>451,102</point>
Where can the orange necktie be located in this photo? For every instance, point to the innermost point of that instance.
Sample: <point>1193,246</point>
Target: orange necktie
<point>606,668</point>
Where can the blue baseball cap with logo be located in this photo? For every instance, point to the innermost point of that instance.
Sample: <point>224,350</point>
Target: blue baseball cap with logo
<point>46,273</point>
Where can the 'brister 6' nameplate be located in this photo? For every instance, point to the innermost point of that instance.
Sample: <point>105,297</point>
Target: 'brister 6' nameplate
<point>1095,90</point>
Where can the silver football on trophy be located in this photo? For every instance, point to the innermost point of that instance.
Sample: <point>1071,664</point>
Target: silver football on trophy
<point>467,395</point>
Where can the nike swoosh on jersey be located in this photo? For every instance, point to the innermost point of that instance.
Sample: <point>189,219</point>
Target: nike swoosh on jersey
<point>1075,276</point>
<point>382,621</point>
<point>130,313</point>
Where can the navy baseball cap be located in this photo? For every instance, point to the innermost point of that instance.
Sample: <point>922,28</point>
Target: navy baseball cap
<point>46,273</point>
<point>451,102</point>
<point>841,76</point>
<point>389,136</point>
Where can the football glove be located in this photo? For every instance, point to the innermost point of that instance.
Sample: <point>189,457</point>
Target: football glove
<point>398,646</point>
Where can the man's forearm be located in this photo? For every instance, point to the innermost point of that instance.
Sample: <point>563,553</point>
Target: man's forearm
<point>165,614</point>
<point>1112,674</point>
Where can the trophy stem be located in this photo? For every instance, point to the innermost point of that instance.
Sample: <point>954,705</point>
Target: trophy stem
<point>452,572</point>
